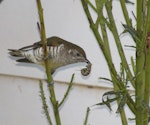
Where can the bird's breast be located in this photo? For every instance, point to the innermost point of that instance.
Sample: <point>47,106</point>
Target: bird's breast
<point>55,51</point>
<point>55,54</point>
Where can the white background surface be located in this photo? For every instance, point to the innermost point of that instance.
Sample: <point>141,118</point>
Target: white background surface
<point>20,104</point>
<point>63,18</point>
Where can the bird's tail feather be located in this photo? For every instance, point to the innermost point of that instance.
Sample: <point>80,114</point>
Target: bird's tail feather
<point>14,52</point>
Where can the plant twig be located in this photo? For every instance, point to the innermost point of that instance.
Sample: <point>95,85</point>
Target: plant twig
<point>140,62</point>
<point>47,66</point>
<point>125,12</point>
<point>86,116</point>
<point>117,41</point>
<point>91,5</point>
<point>101,21</point>
<point>147,64</point>
<point>116,78</point>
<point>68,90</point>
<point>45,107</point>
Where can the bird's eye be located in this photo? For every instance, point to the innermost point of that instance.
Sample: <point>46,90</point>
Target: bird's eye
<point>78,54</point>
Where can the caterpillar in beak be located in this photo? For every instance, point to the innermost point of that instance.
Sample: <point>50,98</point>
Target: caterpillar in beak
<point>86,71</point>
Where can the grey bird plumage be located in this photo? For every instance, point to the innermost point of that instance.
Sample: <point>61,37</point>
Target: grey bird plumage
<point>60,53</point>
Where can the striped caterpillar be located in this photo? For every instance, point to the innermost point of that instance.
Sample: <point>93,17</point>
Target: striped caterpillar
<point>86,71</point>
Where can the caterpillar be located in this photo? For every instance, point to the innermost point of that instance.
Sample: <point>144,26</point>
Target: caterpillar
<point>86,71</point>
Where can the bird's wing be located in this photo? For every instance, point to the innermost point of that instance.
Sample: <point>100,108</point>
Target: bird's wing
<point>54,41</point>
<point>25,60</point>
<point>30,47</point>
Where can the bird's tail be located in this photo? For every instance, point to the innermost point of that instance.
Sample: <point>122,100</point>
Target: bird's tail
<point>14,52</point>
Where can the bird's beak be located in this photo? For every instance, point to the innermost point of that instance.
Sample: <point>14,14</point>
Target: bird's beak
<point>87,61</point>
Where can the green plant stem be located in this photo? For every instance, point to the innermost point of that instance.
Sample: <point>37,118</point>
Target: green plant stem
<point>147,64</point>
<point>123,117</point>
<point>99,40</point>
<point>47,66</point>
<point>104,47</point>
<point>112,70</point>
<point>122,112</point>
<point>91,5</point>
<point>140,80</point>
<point>106,44</point>
<point>147,87</point>
<point>118,42</point>
<point>101,20</point>
<point>125,13</point>
<point>142,70</point>
<point>45,107</point>
<point>68,90</point>
<point>140,64</point>
<point>139,14</point>
<point>55,104</point>
<point>86,116</point>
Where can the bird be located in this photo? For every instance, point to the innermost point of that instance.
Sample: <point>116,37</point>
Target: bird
<point>60,53</point>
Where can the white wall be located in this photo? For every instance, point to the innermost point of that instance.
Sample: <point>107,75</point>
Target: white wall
<point>20,104</point>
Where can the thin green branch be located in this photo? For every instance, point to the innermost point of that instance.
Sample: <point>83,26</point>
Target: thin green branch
<point>106,44</point>
<point>99,39</point>
<point>146,24</point>
<point>126,17</point>
<point>47,66</point>
<point>86,116</point>
<point>125,13</point>
<point>55,104</point>
<point>122,112</point>
<point>115,77</point>
<point>91,5</point>
<point>44,41</point>
<point>147,64</point>
<point>68,90</point>
<point>141,36</point>
<point>102,21</point>
<point>123,117</point>
<point>45,107</point>
<point>118,42</point>
<point>139,14</point>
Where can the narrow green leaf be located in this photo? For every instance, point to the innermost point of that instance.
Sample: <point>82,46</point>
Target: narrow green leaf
<point>87,115</point>
<point>131,31</point>
<point>129,2</point>
<point>68,90</point>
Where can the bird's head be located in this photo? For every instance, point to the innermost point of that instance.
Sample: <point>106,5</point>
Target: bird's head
<point>77,54</point>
